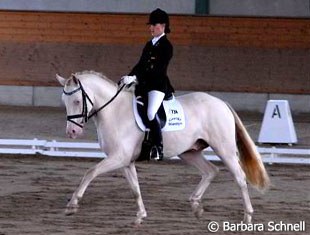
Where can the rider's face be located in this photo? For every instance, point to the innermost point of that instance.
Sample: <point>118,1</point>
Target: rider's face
<point>157,29</point>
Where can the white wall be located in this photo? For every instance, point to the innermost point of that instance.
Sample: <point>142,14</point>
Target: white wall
<point>132,6</point>
<point>51,97</point>
<point>291,8</point>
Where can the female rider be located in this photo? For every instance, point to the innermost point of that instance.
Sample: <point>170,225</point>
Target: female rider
<point>151,75</point>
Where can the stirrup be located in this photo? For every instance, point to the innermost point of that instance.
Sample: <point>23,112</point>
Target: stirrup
<point>156,153</point>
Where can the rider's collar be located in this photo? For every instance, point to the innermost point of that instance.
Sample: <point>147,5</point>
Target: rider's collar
<point>155,39</point>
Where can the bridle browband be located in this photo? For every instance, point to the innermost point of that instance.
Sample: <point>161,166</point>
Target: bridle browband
<point>85,97</point>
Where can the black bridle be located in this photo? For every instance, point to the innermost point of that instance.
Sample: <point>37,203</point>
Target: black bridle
<point>85,97</point>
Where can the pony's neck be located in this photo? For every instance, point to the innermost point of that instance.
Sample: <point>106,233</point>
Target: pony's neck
<point>101,87</point>
<point>103,90</point>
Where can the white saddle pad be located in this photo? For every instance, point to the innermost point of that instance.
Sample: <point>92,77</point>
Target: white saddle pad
<point>174,113</point>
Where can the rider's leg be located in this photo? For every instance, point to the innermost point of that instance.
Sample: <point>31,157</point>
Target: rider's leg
<point>155,99</point>
<point>157,150</point>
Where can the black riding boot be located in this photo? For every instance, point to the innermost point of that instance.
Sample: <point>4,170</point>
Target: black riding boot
<point>146,147</point>
<point>157,149</point>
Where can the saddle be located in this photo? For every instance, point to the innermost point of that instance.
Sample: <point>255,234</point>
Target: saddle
<point>171,118</point>
<point>170,113</point>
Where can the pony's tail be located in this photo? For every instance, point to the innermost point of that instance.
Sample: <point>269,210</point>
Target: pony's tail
<point>250,159</point>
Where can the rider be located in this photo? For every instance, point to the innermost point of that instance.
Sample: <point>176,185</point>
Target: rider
<point>151,74</point>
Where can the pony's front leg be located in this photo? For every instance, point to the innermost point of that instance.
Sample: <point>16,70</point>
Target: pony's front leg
<point>132,178</point>
<point>106,165</point>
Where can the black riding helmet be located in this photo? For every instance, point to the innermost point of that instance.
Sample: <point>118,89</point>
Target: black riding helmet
<point>161,17</point>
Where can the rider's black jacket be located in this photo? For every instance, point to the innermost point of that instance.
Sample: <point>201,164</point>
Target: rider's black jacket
<point>151,70</point>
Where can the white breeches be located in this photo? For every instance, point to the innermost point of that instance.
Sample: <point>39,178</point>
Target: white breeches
<point>155,98</point>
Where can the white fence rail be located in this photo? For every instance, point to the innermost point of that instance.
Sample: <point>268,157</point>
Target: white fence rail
<point>92,150</point>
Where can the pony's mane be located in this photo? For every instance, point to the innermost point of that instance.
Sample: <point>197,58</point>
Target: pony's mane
<point>91,72</point>
<point>103,77</point>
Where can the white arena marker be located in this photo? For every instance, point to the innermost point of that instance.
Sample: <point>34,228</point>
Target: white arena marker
<point>277,126</point>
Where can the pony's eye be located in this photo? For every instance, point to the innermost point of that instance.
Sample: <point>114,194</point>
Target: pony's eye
<point>76,102</point>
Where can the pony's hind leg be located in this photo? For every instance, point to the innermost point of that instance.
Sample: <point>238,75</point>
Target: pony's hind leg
<point>131,176</point>
<point>207,170</point>
<point>232,162</point>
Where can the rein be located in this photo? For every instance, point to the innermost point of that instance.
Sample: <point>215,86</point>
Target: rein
<point>85,97</point>
<point>107,103</point>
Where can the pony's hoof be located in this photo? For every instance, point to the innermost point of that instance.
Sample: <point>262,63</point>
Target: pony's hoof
<point>139,219</point>
<point>198,213</point>
<point>197,209</point>
<point>247,218</point>
<point>137,223</point>
<point>71,210</point>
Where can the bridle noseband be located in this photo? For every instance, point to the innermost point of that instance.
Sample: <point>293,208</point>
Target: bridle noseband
<point>85,97</point>
<point>84,113</point>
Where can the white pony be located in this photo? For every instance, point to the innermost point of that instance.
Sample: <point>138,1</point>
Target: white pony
<point>209,122</point>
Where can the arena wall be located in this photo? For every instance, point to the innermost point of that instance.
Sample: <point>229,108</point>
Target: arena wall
<point>215,54</point>
<point>116,6</point>
<point>292,8</point>
<point>283,8</point>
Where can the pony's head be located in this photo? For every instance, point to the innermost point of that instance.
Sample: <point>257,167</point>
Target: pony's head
<point>78,104</point>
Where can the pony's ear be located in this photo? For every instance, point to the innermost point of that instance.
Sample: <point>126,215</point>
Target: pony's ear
<point>61,80</point>
<point>74,79</point>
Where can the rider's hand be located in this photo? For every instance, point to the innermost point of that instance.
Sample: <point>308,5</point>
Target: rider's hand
<point>127,80</point>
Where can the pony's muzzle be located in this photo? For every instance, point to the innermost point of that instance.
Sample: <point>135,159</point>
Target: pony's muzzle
<point>73,131</point>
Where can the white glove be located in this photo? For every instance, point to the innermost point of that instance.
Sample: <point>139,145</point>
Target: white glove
<point>129,79</point>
